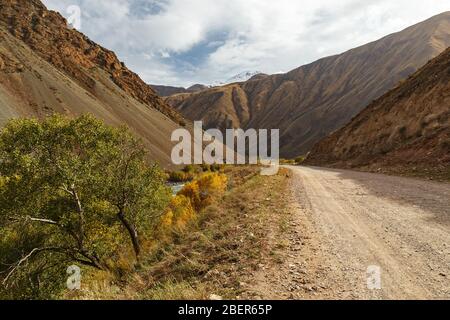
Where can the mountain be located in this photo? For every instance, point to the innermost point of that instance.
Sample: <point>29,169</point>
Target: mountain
<point>197,88</point>
<point>46,67</point>
<point>242,77</point>
<point>406,130</point>
<point>314,100</point>
<point>165,91</point>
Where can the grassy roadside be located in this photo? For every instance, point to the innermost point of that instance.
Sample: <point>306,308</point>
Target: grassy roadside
<point>216,253</point>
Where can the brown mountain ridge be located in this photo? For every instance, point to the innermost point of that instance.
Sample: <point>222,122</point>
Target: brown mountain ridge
<point>46,67</point>
<point>405,131</point>
<point>314,100</point>
<point>166,91</point>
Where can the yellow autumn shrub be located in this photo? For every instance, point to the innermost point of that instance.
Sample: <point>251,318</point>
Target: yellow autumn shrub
<point>181,176</point>
<point>179,213</point>
<point>213,182</point>
<point>194,197</point>
<point>192,192</point>
<point>167,219</point>
<point>183,212</point>
<point>202,191</point>
<point>211,185</point>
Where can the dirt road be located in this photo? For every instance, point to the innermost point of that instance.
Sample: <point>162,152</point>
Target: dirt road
<point>347,226</point>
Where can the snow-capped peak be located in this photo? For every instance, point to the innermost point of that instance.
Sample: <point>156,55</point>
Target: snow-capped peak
<point>241,77</point>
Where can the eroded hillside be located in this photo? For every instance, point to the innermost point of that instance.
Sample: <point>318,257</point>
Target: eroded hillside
<point>46,67</point>
<point>407,130</point>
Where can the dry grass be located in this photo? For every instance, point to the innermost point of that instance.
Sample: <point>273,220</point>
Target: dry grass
<point>215,253</point>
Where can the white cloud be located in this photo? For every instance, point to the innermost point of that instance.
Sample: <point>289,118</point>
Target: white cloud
<point>155,37</point>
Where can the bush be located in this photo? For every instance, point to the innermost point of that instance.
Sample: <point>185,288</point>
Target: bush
<point>192,199</point>
<point>287,162</point>
<point>189,169</point>
<point>206,167</point>
<point>299,160</point>
<point>202,191</point>
<point>192,192</point>
<point>73,191</point>
<point>217,168</point>
<point>212,167</point>
<point>179,213</point>
<point>180,176</point>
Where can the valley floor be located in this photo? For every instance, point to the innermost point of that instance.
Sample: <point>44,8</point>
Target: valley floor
<point>344,222</point>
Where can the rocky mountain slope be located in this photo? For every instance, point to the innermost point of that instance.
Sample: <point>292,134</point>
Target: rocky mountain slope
<point>406,130</point>
<point>46,67</point>
<point>166,91</point>
<point>314,100</point>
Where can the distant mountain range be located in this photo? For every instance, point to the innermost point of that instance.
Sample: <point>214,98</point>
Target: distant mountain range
<point>165,91</point>
<point>46,67</point>
<point>309,103</point>
<point>241,77</point>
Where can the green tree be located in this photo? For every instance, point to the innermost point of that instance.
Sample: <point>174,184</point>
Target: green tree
<point>73,191</point>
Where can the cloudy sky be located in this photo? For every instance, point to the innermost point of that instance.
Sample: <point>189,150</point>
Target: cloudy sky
<point>182,42</point>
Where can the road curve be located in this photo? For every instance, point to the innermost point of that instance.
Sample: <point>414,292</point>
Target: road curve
<point>362,220</point>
